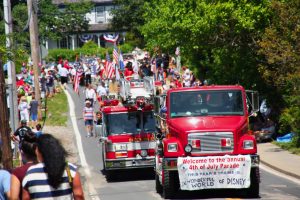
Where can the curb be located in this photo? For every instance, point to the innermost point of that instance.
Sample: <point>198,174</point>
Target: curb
<point>280,170</point>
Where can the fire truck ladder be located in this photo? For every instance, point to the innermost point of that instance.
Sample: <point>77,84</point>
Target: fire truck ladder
<point>129,94</point>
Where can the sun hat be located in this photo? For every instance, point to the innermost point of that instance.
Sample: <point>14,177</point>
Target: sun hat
<point>87,101</point>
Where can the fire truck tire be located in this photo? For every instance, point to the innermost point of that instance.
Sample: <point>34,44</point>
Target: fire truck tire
<point>253,190</point>
<point>158,186</point>
<point>171,184</point>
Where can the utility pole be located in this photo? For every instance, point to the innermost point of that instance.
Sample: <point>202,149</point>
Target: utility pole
<point>34,45</point>
<point>4,128</point>
<point>11,82</point>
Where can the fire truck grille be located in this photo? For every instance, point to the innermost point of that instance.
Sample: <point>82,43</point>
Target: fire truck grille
<point>211,142</point>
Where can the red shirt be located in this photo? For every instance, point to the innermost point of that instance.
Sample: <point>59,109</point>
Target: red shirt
<point>127,73</point>
<point>178,84</point>
<point>20,83</point>
<point>20,173</point>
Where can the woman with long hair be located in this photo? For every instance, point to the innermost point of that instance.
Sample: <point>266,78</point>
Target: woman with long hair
<point>27,149</point>
<point>52,177</point>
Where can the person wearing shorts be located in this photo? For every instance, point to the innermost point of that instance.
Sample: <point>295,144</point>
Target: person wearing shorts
<point>88,116</point>
<point>63,72</point>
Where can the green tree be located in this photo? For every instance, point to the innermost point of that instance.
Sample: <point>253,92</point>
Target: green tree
<point>54,23</point>
<point>280,49</point>
<point>128,16</point>
<point>217,38</point>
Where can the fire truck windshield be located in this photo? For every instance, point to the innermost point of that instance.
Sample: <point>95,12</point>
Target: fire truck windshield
<point>149,121</point>
<point>120,123</point>
<point>204,102</point>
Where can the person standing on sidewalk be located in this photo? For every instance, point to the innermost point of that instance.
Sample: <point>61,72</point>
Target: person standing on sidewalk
<point>24,109</point>
<point>56,178</point>
<point>50,84</point>
<point>88,116</point>
<point>33,108</point>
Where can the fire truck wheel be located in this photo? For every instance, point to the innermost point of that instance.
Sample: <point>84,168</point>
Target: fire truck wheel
<point>253,190</point>
<point>171,184</point>
<point>158,186</point>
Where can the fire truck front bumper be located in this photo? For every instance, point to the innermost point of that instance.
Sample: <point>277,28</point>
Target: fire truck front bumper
<point>170,164</point>
<point>129,163</point>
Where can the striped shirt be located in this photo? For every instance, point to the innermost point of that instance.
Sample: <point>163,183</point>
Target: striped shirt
<point>88,113</point>
<point>36,183</point>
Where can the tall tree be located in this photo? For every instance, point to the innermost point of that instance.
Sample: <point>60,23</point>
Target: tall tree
<point>280,49</point>
<point>216,37</point>
<point>54,23</point>
<point>4,128</point>
<point>128,16</point>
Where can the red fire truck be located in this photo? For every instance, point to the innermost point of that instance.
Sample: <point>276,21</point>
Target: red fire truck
<point>127,133</point>
<point>203,140</point>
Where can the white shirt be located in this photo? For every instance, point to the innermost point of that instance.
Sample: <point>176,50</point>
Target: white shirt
<point>87,70</point>
<point>73,71</point>
<point>101,90</point>
<point>90,94</point>
<point>63,72</point>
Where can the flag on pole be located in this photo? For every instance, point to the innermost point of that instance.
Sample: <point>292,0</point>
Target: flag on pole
<point>121,61</point>
<point>77,80</point>
<point>109,69</point>
<point>116,55</point>
<point>117,73</point>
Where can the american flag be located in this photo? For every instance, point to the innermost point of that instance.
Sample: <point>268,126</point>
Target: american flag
<point>109,68</point>
<point>116,55</point>
<point>79,72</point>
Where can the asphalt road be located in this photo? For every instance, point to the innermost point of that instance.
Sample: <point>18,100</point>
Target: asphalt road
<point>140,184</point>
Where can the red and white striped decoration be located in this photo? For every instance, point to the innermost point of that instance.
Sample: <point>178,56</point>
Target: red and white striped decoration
<point>76,81</point>
<point>109,69</point>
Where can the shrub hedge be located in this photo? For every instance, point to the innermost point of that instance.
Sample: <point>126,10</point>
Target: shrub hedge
<point>89,49</point>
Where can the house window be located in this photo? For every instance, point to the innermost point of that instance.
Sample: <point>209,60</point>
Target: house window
<point>63,43</point>
<point>100,14</point>
<point>108,10</point>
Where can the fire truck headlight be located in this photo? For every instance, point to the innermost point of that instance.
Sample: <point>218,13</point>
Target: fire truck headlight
<point>248,144</point>
<point>144,153</point>
<point>172,147</point>
<point>188,148</point>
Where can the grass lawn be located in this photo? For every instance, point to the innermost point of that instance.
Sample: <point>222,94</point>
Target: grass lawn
<point>57,110</point>
<point>290,146</point>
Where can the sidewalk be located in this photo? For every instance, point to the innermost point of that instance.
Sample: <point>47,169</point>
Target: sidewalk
<point>279,159</point>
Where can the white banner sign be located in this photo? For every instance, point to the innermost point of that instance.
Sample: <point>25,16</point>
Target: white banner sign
<point>214,172</point>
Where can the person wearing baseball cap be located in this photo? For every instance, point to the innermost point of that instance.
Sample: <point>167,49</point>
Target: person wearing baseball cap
<point>88,116</point>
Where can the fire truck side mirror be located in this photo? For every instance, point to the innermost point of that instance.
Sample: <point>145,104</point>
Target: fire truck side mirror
<point>252,101</point>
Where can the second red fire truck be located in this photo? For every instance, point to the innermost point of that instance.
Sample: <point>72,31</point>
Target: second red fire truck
<point>127,133</point>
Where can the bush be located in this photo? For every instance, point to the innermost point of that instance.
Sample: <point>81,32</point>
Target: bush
<point>56,54</point>
<point>89,49</point>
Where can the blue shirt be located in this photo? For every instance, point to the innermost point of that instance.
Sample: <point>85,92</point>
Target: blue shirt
<point>4,183</point>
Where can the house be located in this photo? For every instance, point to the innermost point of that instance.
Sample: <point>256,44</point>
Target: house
<point>99,19</point>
